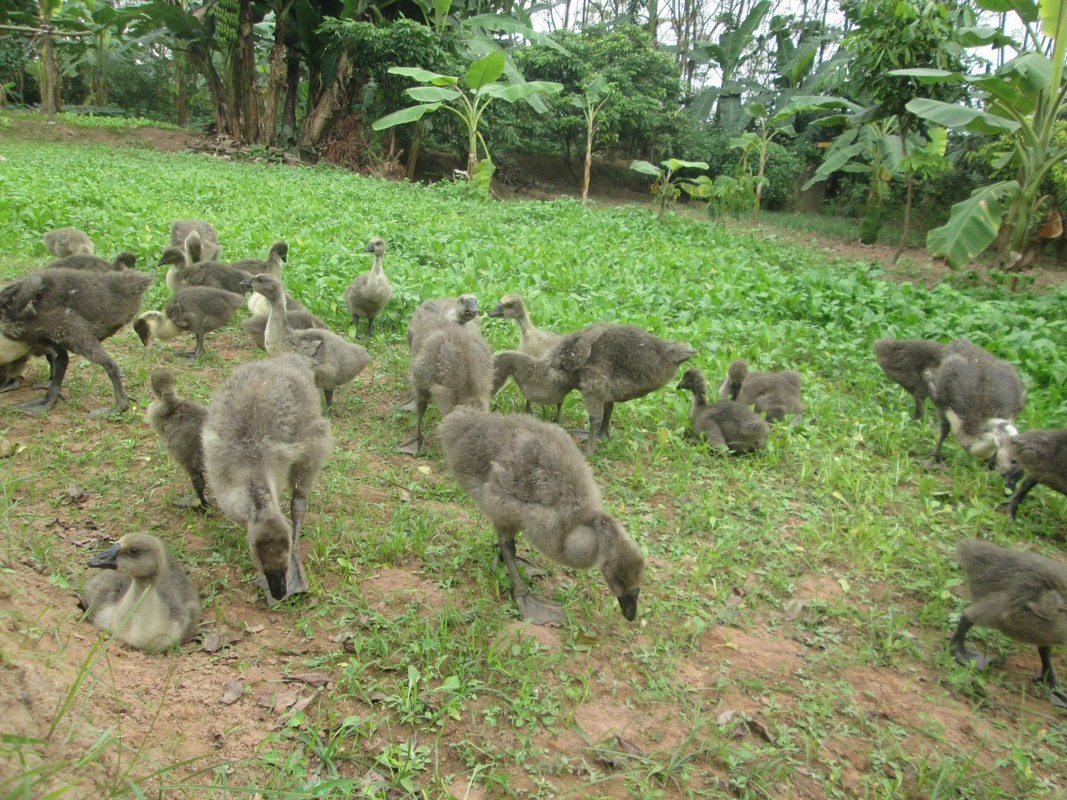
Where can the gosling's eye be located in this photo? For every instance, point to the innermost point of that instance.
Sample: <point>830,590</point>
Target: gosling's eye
<point>133,551</point>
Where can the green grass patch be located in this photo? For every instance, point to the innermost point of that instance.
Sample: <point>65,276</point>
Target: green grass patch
<point>792,630</point>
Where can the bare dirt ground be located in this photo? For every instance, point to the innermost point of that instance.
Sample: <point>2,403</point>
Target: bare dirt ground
<point>188,708</point>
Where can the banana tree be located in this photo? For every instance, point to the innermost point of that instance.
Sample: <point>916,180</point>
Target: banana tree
<point>669,183</point>
<point>481,86</point>
<point>1021,102</point>
<point>595,96</point>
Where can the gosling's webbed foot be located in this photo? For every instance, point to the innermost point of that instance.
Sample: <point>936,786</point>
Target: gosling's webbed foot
<point>191,501</point>
<point>1058,697</point>
<point>965,655</point>
<point>37,406</point>
<point>538,611</point>
<point>411,447</point>
<point>11,385</point>
<point>407,405</point>
<point>100,413</point>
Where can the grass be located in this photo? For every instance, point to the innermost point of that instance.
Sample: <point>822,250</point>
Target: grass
<point>791,639</point>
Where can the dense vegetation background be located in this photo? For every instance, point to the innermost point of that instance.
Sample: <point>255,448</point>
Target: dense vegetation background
<point>886,111</point>
<point>791,639</point>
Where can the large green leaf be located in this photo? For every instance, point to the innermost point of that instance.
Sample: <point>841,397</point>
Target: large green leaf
<point>835,159</point>
<point>424,76</point>
<point>511,26</point>
<point>972,224</point>
<point>1026,9</point>
<point>432,94</point>
<point>927,75</point>
<point>1053,18</point>
<point>960,117</point>
<point>520,91</point>
<point>674,164</point>
<point>485,70</point>
<point>410,114</point>
<point>646,168</point>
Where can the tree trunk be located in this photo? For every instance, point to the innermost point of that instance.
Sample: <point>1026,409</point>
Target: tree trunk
<point>276,78</point>
<point>905,233</point>
<point>245,79</point>
<point>292,92</point>
<point>590,131</point>
<point>416,145</point>
<point>332,105</point>
<point>49,74</point>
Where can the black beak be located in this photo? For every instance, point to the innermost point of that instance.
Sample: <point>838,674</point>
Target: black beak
<point>368,249</point>
<point>628,604</point>
<point>1012,478</point>
<point>472,307</point>
<point>106,559</point>
<point>141,328</point>
<point>498,310</point>
<point>277,584</point>
<point>247,282</point>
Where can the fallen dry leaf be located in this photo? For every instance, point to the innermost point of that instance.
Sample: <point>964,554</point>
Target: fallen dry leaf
<point>310,678</point>
<point>232,692</point>
<point>255,628</point>
<point>793,608</point>
<point>6,447</point>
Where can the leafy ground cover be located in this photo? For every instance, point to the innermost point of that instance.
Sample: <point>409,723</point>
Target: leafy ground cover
<point>791,638</point>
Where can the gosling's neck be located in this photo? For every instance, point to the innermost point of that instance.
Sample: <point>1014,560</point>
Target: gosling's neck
<point>277,325</point>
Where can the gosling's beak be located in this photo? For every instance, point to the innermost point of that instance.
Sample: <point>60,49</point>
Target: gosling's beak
<point>368,249</point>
<point>628,604</point>
<point>277,584</point>
<point>247,282</point>
<point>1011,478</point>
<point>106,559</point>
<point>471,304</point>
<point>498,310</point>
<point>141,328</point>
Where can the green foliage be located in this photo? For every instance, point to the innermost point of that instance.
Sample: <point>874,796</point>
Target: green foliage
<point>643,115</point>
<point>1023,100</point>
<point>803,575</point>
<point>669,182</point>
<point>482,87</point>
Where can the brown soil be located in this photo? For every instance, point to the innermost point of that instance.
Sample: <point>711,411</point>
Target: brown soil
<point>230,696</point>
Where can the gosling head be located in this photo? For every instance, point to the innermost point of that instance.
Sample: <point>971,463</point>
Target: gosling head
<point>125,260</point>
<point>270,541</point>
<point>265,284</point>
<point>693,380</point>
<point>138,555</point>
<point>162,381</point>
<point>145,324</point>
<point>279,251</point>
<point>466,308</point>
<point>510,306</point>
<point>996,435</point>
<point>621,563</point>
<point>173,256</point>
<point>735,376</point>
<point>376,246</point>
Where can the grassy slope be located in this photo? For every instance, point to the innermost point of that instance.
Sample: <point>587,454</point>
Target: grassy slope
<point>831,550</point>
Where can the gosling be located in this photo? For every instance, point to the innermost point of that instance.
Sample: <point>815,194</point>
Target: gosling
<point>726,423</point>
<point>334,362</point>
<point>369,292</point>
<point>91,263</point>
<point>978,396</point>
<point>533,341</point>
<point>773,394</point>
<point>453,366</point>
<point>541,380</point>
<point>1039,455</point>
<point>611,363</point>
<point>205,239</point>
<point>264,434</point>
<point>67,242</point>
<point>905,361</point>
<point>181,273</point>
<point>528,475</point>
<point>1022,595</point>
<point>143,598</point>
<point>179,422</point>
<point>197,310</point>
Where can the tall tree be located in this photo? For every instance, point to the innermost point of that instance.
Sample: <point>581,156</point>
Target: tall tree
<point>901,34</point>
